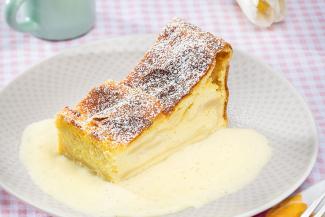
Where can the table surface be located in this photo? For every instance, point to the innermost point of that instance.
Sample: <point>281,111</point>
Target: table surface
<point>296,47</point>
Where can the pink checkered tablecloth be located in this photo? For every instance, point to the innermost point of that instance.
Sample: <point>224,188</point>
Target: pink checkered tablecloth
<point>296,47</point>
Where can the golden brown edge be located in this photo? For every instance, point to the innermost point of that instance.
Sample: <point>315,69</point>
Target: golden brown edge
<point>225,116</point>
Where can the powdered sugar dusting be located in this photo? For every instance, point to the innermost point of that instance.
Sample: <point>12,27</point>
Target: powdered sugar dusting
<point>119,112</point>
<point>175,63</point>
<point>127,118</point>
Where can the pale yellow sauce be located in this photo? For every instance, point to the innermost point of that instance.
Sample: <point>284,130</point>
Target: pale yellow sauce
<point>200,173</point>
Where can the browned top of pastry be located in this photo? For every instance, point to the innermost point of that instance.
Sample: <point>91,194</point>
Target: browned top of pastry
<point>114,111</point>
<point>176,62</point>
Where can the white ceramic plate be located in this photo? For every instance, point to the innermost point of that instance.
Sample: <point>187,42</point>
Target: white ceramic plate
<point>259,98</point>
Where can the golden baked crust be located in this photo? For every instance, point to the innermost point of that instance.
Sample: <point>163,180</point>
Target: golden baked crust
<point>121,128</point>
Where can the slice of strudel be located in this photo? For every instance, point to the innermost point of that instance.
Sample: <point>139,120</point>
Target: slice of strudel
<point>176,95</point>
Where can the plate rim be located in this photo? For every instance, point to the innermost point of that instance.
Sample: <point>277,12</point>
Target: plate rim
<point>279,74</point>
<point>276,72</point>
